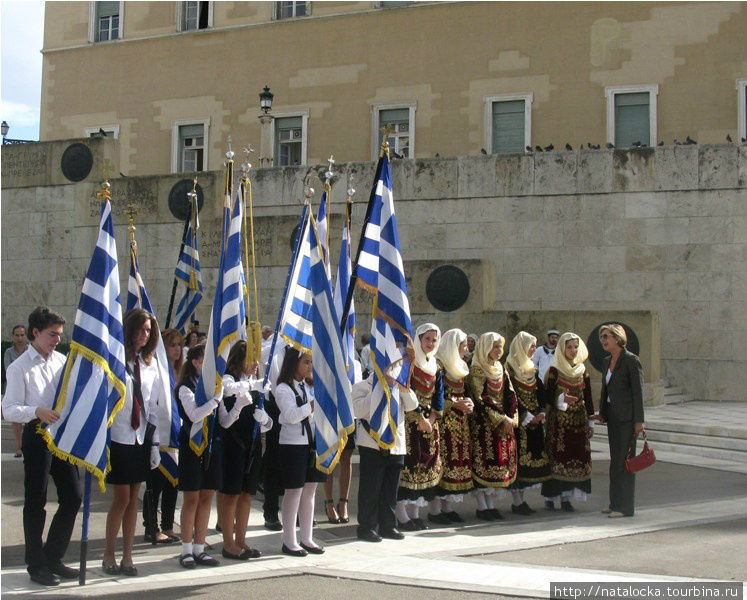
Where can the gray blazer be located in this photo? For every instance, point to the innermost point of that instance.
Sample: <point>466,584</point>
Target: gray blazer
<point>625,389</point>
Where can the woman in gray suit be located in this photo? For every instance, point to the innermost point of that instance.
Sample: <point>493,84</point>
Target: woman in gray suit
<point>621,407</point>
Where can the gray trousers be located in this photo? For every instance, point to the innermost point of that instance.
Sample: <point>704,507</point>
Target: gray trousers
<point>622,483</point>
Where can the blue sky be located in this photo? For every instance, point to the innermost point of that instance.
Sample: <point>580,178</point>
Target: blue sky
<point>21,38</point>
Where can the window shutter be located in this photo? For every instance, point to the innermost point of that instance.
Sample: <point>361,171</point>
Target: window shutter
<point>508,126</point>
<point>107,9</point>
<point>394,116</point>
<point>632,119</point>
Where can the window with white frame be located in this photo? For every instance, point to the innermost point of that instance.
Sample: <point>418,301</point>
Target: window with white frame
<point>195,15</point>
<point>190,145</point>
<point>106,21</point>
<point>742,110</point>
<point>291,10</point>
<point>402,138</point>
<point>290,140</point>
<point>111,131</point>
<point>508,123</point>
<point>631,115</point>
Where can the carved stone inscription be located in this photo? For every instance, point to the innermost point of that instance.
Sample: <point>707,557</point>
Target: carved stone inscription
<point>141,192</point>
<point>25,160</point>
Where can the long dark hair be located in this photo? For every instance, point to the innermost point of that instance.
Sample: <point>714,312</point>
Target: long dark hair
<point>133,320</point>
<point>290,365</point>
<point>236,364</point>
<point>188,370</point>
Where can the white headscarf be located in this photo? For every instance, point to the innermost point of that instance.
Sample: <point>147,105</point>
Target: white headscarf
<point>493,369</point>
<point>426,362</point>
<point>518,357</point>
<point>448,354</point>
<point>561,363</point>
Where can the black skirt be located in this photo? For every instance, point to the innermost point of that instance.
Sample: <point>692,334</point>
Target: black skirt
<point>200,472</point>
<point>242,465</point>
<point>296,466</point>
<point>130,463</point>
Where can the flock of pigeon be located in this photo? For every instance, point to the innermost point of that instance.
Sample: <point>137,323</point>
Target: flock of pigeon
<point>688,142</point>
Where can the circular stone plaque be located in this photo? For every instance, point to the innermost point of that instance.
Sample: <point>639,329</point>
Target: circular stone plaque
<point>597,355</point>
<point>447,288</point>
<point>76,162</point>
<point>178,204</point>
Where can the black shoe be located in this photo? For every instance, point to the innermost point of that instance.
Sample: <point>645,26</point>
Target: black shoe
<point>273,525</point>
<point>204,559</point>
<point>549,505</point>
<point>440,519</point>
<point>484,515</point>
<point>454,517</point>
<point>521,509</point>
<point>368,535</point>
<point>393,534</point>
<point>567,506</point>
<point>408,526</point>
<point>64,572</point>
<point>251,552</point>
<point>495,513</point>
<point>129,570</point>
<point>289,552</point>
<point>529,509</point>
<point>244,555</point>
<point>44,576</point>
<point>312,549</point>
<point>421,525</point>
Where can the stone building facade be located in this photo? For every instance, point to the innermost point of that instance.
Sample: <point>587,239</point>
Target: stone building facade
<point>167,81</point>
<point>655,238</point>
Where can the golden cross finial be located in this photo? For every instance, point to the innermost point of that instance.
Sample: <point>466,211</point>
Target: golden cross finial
<point>387,130</point>
<point>105,193</point>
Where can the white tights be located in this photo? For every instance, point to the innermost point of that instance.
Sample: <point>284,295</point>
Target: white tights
<point>406,511</point>
<point>298,502</point>
<point>484,501</point>
<point>518,496</point>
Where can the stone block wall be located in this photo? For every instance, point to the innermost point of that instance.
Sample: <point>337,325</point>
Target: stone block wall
<point>566,239</point>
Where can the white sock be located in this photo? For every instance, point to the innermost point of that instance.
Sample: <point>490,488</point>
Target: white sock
<point>446,505</point>
<point>401,512</point>
<point>186,548</point>
<point>434,508</point>
<point>480,498</point>
<point>306,514</point>
<point>289,509</point>
<point>489,501</point>
<point>518,496</point>
<point>413,510</point>
<point>198,549</point>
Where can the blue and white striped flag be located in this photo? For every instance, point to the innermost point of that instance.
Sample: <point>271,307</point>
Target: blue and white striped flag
<point>380,270</point>
<point>188,274</point>
<point>342,285</point>
<point>225,324</point>
<point>92,388</point>
<point>333,416</point>
<point>322,227</point>
<point>295,316</point>
<point>169,419</point>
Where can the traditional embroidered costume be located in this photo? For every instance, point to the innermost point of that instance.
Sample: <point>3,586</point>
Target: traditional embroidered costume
<point>495,462</point>
<point>567,425</point>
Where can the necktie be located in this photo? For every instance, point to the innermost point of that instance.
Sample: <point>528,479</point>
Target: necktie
<point>305,422</point>
<point>136,399</point>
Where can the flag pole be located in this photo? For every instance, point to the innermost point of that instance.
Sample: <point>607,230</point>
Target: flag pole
<point>181,249</point>
<point>354,275</point>
<point>84,533</point>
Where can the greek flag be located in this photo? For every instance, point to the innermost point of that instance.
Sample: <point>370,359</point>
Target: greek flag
<point>342,285</point>
<point>188,274</point>
<point>169,419</point>
<point>322,226</point>
<point>333,418</point>
<point>225,324</point>
<point>380,270</point>
<point>92,388</point>
<point>295,316</point>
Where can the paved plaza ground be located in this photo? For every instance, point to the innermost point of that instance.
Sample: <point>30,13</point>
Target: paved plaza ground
<point>691,523</point>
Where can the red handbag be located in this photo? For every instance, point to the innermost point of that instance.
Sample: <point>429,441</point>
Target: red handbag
<point>645,459</point>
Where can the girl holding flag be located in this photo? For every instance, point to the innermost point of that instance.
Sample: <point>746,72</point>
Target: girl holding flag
<point>199,475</point>
<point>134,437</point>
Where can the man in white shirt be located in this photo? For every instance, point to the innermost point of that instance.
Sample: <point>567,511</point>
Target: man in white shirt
<point>29,397</point>
<point>366,355</point>
<point>379,469</point>
<point>544,354</point>
<point>20,343</point>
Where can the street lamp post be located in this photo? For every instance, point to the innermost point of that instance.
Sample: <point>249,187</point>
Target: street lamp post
<point>266,147</point>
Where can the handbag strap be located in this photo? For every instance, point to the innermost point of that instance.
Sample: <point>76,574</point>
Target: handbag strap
<point>635,438</point>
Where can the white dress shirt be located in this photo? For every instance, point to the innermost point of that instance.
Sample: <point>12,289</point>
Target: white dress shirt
<point>32,382</point>
<point>122,431</point>
<point>542,358</point>
<point>362,409</point>
<point>196,413</point>
<point>291,415</point>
